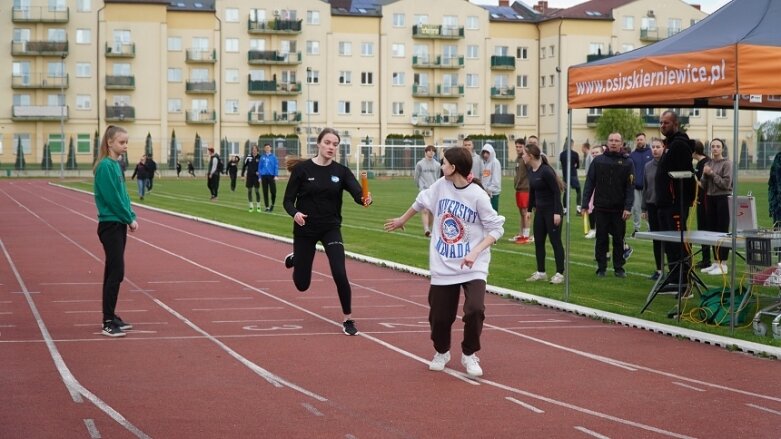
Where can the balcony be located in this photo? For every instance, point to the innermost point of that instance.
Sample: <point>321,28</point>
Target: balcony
<point>120,82</point>
<point>502,92</point>
<point>201,117</point>
<point>597,56</point>
<point>201,87</point>
<point>273,57</point>
<point>502,120</point>
<point>201,56</point>
<point>502,62</point>
<point>120,50</point>
<point>42,113</point>
<point>438,32</point>
<point>120,113</point>
<point>276,118</point>
<point>439,62</point>
<point>39,80</point>
<point>438,120</point>
<point>440,91</point>
<point>40,14</point>
<point>39,48</point>
<point>273,88</point>
<point>274,26</point>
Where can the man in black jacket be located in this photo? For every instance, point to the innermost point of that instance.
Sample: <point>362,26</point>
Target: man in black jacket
<point>611,179</point>
<point>674,197</point>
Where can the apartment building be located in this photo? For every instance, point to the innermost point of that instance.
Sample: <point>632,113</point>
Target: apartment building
<point>230,71</point>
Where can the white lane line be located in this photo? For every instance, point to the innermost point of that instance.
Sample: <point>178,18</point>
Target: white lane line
<point>71,383</point>
<point>6,301</point>
<point>92,429</point>
<point>697,389</point>
<point>6,312</point>
<point>764,409</point>
<point>7,326</point>
<point>87,300</point>
<point>591,433</point>
<point>71,283</point>
<point>238,309</point>
<point>183,282</point>
<point>312,409</point>
<point>365,306</point>
<point>213,298</point>
<point>134,323</point>
<point>524,405</point>
<point>257,321</point>
<point>93,311</point>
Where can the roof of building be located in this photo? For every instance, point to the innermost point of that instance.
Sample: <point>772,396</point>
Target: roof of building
<point>174,5</point>
<point>517,12</point>
<point>358,7</point>
<point>590,10</point>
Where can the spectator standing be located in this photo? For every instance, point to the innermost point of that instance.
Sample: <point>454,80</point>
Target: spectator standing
<point>610,180</point>
<point>426,173</point>
<point>571,159</point>
<point>640,156</point>
<point>213,173</point>
<point>268,170</point>
<point>115,217</point>
<point>491,174</point>
<point>476,166</point>
<point>588,205</point>
<point>151,167</point>
<point>141,175</point>
<point>648,205</point>
<point>717,183</point>
<point>459,256</point>
<point>521,183</point>
<point>232,169</point>
<point>702,221</point>
<point>252,179</point>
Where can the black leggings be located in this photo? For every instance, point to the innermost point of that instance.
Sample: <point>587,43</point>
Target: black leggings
<point>113,236</point>
<point>717,219</point>
<point>214,184</point>
<point>268,183</point>
<point>257,192</point>
<point>653,225</point>
<point>544,227</point>
<point>304,250</point>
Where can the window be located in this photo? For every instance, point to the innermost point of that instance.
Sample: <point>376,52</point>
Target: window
<point>313,107</point>
<point>629,22</point>
<point>695,112</point>
<point>313,17</point>
<point>501,109</point>
<point>367,107</point>
<point>345,48</point>
<point>83,144</point>
<point>472,22</point>
<point>313,76</point>
<point>472,51</point>
<point>313,48</point>
<point>673,26</point>
<point>174,105</point>
<point>627,47</point>
<point>83,36</point>
<point>522,81</point>
<point>231,76</point>
<point>232,45</point>
<point>522,53</point>
<point>397,50</point>
<point>25,138</point>
<point>55,100</point>
<point>55,144</point>
<point>83,5</point>
<point>397,78</point>
<point>552,108</point>
<point>83,70</point>
<point>648,23</point>
<point>551,51</point>
<point>83,102</point>
<point>596,48</point>
<point>398,20</point>
<point>420,19</point>
<point>174,44</point>
<point>345,77</point>
<point>174,74</point>
<point>471,109</point>
<point>397,109</point>
<point>472,80</point>
<point>344,107</point>
<point>542,53</point>
<point>231,106</point>
<point>367,49</point>
<point>542,81</point>
<point>552,81</point>
<point>121,69</point>
<point>721,112</point>
<point>367,78</point>
<point>542,110</point>
<point>200,44</point>
<point>231,15</point>
<point>522,110</point>
<point>595,112</point>
<point>21,99</point>
<point>58,35</point>
<point>256,44</point>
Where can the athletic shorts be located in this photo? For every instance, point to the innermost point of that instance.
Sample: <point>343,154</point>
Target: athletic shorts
<point>522,200</point>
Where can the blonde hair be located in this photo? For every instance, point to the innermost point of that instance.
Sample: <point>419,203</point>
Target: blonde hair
<point>108,135</point>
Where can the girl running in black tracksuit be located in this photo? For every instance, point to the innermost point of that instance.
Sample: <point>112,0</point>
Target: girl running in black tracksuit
<point>313,198</point>
<point>252,180</point>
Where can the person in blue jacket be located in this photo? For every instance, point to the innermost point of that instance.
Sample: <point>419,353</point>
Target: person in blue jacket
<point>268,171</point>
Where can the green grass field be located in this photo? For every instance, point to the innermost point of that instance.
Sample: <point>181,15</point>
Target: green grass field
<point>511,263</point>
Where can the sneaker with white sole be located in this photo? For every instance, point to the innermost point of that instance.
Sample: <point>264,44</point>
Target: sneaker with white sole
<point>439,362</point>
<point>591,234</point>
<point>711,267</point>
<point>472,365</point>
<point>110,329</point>
<point>628,252</point>
<point>348,327</point>
<point>123,325</point>
<point>557,278</point>
<point>537,275</point>
<point>289,261</point>
<point>721,268</point>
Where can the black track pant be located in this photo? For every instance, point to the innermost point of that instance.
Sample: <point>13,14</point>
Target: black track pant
<point>544,228</point>
<point>214,184</point>
<point>113,236</point>
<point>653,225</point>
<point>717,209</point>
<point>268,183</point>
<point>443,303</point>
<point>609,223</point>
<point>253,185</point>
<point>304,250</point>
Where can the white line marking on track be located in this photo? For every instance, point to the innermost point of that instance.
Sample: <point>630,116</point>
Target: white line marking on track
<point>93,311</point>
<point>92,429</point>
<point>25,292</point>
<point>524,405</point>
<point>688,386</point>
<point>544,321</point>
<point>87,300</point>
<point>183,282</point>
<point>764,409</point>
<point>311,409</point>
<point>6,312</point>
<point>591,433</point>
<point>6,301</point>
<point>135,323</point>
<point>71,283</point>
<point>214,298</point>
<point>7,326</point>
<point>238,309</point>
<point>366,306</point>
<point>257,321</point>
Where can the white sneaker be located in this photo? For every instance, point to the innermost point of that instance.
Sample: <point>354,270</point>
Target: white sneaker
<point>718,269</point>
<point>708,270</point>
<point>591,234</point>
<point>515,238</point>
<point>557,278</point>
<point>439,362</point>
<point>472,365</point>
<point>537,275</point>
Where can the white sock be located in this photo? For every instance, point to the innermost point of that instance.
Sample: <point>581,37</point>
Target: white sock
<point>250,204</point>
<point>526,232</point>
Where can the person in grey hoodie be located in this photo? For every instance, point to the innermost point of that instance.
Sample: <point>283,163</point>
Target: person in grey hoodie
<point>648,203</point>
<point>470,146</point>
<point>717,184</point>
<point>491,174</point>
<point>426,173</point>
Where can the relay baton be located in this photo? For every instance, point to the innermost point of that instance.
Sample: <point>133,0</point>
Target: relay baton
<point>586,227</point>
<point>365,187</point>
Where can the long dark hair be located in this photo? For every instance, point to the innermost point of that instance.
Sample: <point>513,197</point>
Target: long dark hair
<point>108,135</point>
<point>461,159</point>
<point>533,150</point>
<point>291,161</point>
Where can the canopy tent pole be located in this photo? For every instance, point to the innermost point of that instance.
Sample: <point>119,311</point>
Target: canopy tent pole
<point>567,223</point>
<point>734,222</point>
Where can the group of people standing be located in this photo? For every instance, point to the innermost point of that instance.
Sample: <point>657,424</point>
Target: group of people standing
<point>144,174</point>
<point>257,169</point>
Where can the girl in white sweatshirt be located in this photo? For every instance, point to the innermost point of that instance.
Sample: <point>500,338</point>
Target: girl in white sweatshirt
<point>465,226</point>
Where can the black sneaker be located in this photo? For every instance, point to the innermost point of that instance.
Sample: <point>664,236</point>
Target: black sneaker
<point>289,261</point>
<point>348,326</point>
<point>123,325</point>
<point>600,273</point>
<point>620,273</point>
<point>110,329</point>
<point>702,264</point>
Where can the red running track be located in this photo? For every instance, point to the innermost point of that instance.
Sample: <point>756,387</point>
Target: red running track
<point>224,346</point>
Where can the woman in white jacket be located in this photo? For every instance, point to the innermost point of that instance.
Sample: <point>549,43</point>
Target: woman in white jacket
<point>491,174</point>
<point>465,226</point>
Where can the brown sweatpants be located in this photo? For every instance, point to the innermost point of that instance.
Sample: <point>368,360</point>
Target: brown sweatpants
<point>443,303</point>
